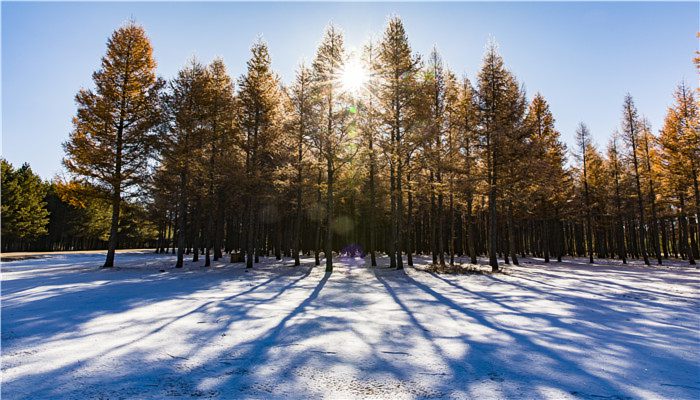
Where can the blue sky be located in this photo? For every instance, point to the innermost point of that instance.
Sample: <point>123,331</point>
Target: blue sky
<point>583,57</point>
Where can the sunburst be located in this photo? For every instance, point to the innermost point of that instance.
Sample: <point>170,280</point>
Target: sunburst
<point>353,75</point>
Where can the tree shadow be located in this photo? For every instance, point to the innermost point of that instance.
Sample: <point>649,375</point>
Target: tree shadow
<point>277,332</point>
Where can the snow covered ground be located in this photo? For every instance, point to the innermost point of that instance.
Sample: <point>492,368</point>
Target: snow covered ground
<point>557,331</point>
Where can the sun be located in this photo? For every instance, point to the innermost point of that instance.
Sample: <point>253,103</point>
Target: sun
<point>353,76</point>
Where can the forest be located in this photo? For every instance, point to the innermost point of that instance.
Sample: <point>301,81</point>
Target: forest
<point>376,152</point>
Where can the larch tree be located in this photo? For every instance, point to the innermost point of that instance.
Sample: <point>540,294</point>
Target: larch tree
<point>436,82</point>
<point>583,144</point>
<point>631,132</point>
<point>259,119</point>
<point>396,69</point>
<point>327,65</point>
<point>185,127</point>
<point>615,167</point>
<point>110,145</point>
<point>466,110</point>
<point>547,157</point>
<point>303,123</point>
<point>450,166</point>
<point>677,157</point>
<point>495,84</point>
<point>649,156</point>
<point>369,128</point>
<point>515,145</point>
<point>688,111</point>
<point>220,136</point>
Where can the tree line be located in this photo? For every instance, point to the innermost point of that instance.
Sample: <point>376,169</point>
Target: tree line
<point>399,156</point>
<point>50,216</point>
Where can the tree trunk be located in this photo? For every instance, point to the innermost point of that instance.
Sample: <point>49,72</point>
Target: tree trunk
<point>181,220</point>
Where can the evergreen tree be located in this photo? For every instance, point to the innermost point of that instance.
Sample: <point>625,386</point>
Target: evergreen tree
<point>23,212</point>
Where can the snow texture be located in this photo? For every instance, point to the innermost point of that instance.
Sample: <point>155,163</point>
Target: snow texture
<point>146,330</point>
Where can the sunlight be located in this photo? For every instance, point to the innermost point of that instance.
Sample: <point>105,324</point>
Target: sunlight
<point>353,75</point>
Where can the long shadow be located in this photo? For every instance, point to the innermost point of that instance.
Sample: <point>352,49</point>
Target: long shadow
<point>560,363</point>
<point>258,349</point>
<point>61,313</point>
<point>241,313</point>
<point>593,272</point>
<point>254,367</point>
<point>136,377</point>
<point>641,340</point>
<point>457,369</point>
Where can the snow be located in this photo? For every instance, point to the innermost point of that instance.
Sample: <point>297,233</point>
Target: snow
<point>553,331</point>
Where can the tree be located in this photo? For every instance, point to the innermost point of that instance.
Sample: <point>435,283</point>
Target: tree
<point>304,119</point>
<point>259,119</point>
<point>546,160</point>
<point>584,146</point>
<point>369,120</point>
<point>184,104</point>
<point>329,59</point>
<point>631,129</point>
<point>649,158</point>
<point>220,134</point>
<point>614,164</point>
<point>110,144</point>
<point>396,70</point>
<point>468,120</point>
<point>495,86</point>
<point>436,81</point>
<point>23,212</point>
<point>679,158</point>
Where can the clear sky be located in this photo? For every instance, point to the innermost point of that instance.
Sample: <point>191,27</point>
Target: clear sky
<point>583,57</point>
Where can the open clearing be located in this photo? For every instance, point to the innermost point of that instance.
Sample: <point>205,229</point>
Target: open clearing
<point>559,331</point>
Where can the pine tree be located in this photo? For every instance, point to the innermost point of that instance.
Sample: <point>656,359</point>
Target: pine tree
<point>23,212</point>
<point>110,144</point>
